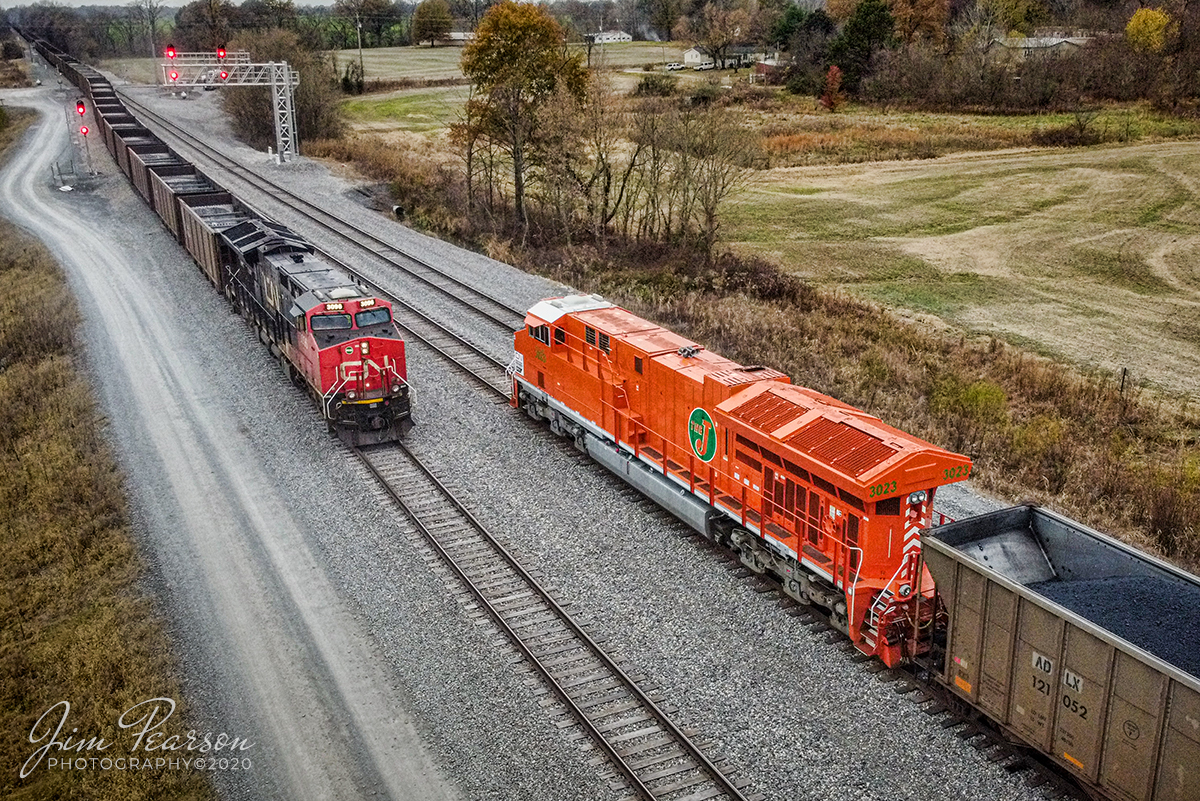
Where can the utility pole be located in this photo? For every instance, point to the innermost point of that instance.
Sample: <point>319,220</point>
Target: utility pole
<point>358,24</point>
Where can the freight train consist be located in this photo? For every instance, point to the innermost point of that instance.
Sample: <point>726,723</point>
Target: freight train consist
<point>332,337</point>
<point>1054,632</point>
<point>1072,643</point>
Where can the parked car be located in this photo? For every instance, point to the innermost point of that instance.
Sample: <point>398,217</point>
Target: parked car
<point>674,65</point>
<point>708,65</point>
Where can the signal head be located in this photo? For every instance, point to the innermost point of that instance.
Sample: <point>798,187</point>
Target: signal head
<point>174,76</point>
<point>80,107</point>
<point>83,129</point>
<point>221,52</point>
<point>170,51</point>
<point>224,75</point>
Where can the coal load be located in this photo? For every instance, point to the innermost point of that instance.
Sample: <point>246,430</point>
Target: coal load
<point>1158,615</point>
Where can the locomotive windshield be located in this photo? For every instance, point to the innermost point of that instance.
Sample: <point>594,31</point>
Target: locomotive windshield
<point>372,317</point>
<point>330,322</point>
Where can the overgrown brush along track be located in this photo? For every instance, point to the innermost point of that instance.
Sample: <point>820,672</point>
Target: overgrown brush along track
<point>77,628</point>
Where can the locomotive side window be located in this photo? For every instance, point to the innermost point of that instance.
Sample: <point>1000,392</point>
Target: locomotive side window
<point>637,364</point>
<point>850,499</point>
<point>541,333</point>
<point>330,322</point>
<point>798,471</point>
<point>372,317</point>
<point>890,507</point>
<point>560,336</point>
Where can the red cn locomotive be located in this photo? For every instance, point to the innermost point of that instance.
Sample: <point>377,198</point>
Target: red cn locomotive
<point>330,335</point>
<point>825,497</point>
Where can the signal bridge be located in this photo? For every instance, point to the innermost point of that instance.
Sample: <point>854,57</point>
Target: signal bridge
<point>212,70</point>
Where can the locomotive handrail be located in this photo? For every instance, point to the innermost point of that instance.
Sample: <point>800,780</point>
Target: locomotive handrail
<point>328,396</point>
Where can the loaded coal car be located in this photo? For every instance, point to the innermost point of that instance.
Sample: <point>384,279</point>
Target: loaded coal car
<point>331,336</point>
<point>825,497</point>
<point>1075,644</point>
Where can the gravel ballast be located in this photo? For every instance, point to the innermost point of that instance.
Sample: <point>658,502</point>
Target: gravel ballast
<point>796,716</point>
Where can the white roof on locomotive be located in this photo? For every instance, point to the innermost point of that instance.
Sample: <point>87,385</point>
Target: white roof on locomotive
<point>553,308</point>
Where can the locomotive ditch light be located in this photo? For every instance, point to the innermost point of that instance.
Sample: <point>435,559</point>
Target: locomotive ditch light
<point>917,497</point>
<point>351,394</point>
<point>395,388</point>
<point>170,51</point>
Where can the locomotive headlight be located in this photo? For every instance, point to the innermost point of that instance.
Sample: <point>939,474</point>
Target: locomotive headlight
<point>917,497</point>
<point>366,347</point>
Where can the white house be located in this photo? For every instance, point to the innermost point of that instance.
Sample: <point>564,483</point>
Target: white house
<point>608,37</point>
<point>735,56</point>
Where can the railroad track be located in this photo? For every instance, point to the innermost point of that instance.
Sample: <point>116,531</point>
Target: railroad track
<point>445,286</point>
<point>652,757</point>
<point>466,355</point>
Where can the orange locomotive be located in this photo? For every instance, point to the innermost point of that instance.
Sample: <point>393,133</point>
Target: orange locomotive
<point>826,497</point>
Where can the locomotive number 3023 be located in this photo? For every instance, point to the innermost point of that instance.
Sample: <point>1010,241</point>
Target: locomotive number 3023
<point>883,489</point>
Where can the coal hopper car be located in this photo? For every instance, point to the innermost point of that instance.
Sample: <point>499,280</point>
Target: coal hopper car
<point>1077,645</point>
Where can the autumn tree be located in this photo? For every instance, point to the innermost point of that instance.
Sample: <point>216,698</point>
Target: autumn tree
<point>716,28</point>
<point>1148,30</point>
<point>920,19</point>
<point>432,21</point>
<point>516,65</point>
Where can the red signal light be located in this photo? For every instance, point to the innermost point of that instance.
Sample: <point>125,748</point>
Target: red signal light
<point>174,76</point>
<point>79,107</point>
<point>170,51</point>
<point>220,52</point>
<point>83,129</point>
<point>224,75</point>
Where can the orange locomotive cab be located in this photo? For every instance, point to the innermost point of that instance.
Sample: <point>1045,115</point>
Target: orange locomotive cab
<point>825,497</point>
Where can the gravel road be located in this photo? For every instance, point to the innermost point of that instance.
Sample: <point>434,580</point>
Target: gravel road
<point>284,579</point>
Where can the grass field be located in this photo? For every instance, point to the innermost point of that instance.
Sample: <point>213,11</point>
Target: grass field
<point>1087,255</point>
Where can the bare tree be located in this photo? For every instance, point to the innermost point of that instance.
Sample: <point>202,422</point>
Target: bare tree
<point>149,11</point>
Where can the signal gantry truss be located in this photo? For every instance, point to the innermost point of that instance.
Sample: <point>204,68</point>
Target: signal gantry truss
<point>208,70</point>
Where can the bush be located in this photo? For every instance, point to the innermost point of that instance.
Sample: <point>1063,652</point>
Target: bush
<point>656,85</point>
<point>11,51</point>
<point>705,94</point>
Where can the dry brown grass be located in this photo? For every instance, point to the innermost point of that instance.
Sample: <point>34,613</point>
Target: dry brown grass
<point>78,627</point>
